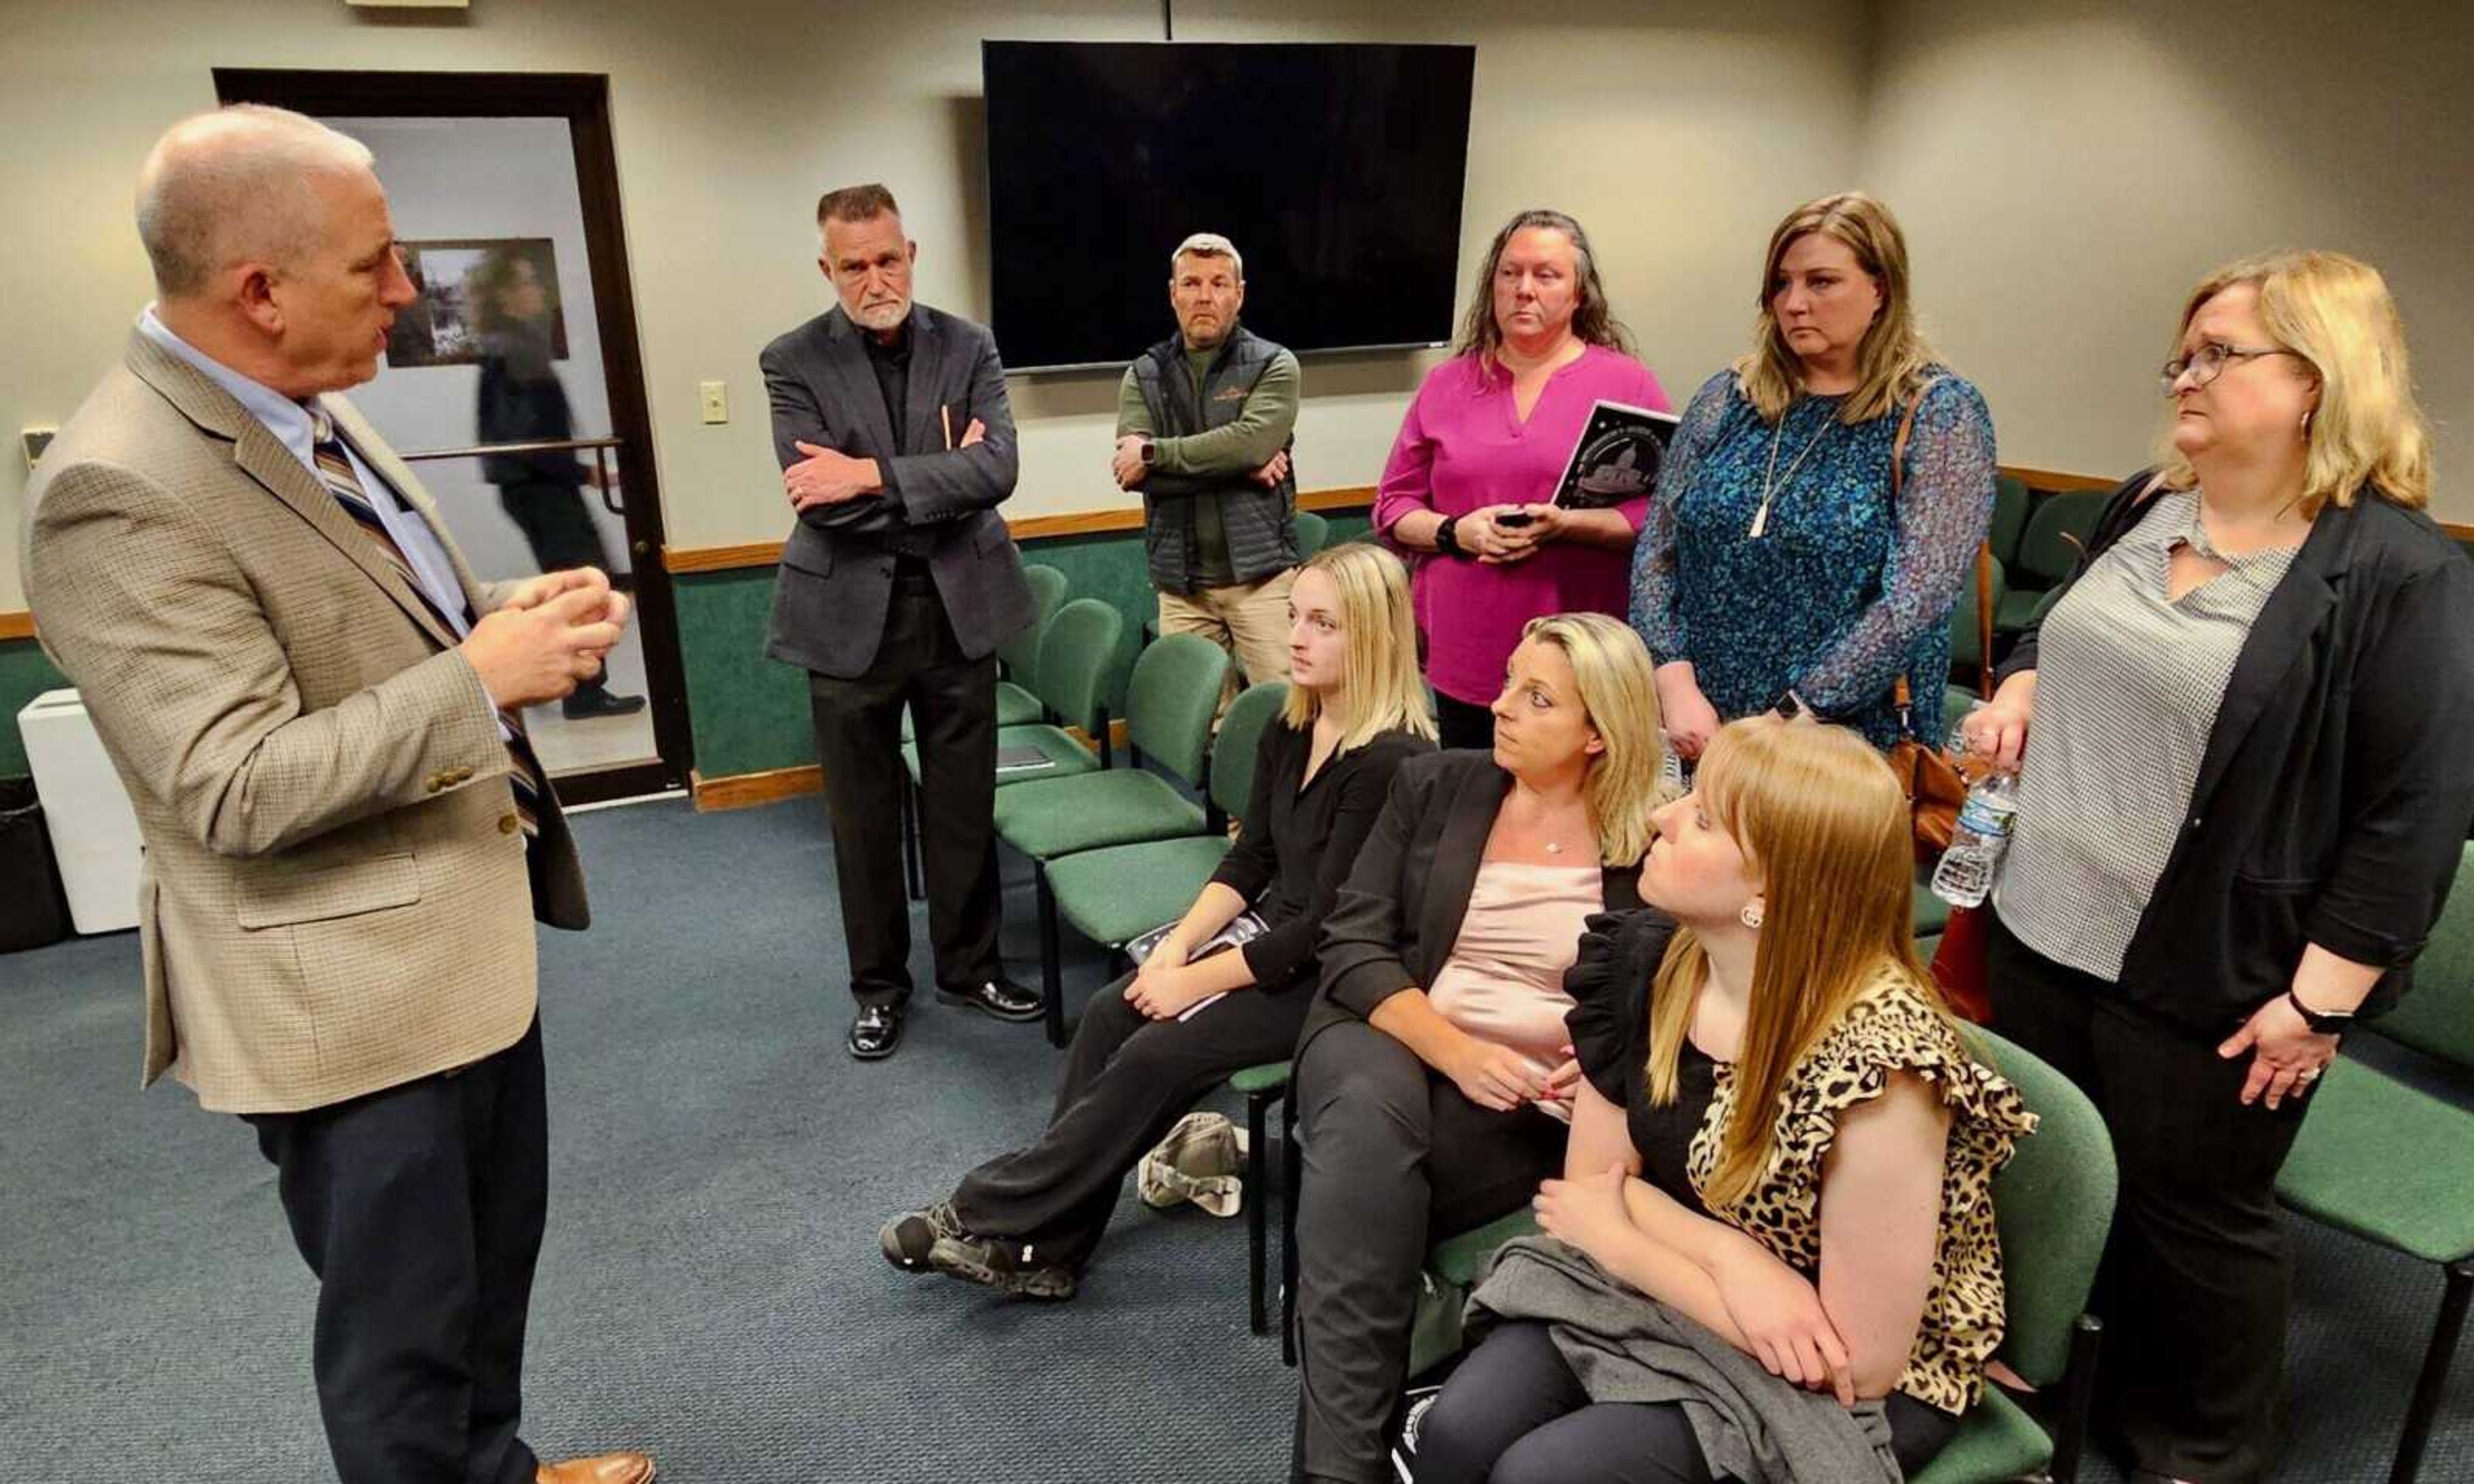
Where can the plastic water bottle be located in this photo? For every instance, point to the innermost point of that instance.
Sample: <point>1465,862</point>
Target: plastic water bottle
<point>1965,874</point>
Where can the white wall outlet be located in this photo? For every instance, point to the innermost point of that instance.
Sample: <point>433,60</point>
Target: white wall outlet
<point>714,398</point>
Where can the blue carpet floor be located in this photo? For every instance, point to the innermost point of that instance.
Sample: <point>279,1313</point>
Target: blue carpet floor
<point>710,1289</point>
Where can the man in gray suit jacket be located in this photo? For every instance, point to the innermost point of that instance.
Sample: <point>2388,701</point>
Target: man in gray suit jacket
<point>315,710</point>
<point>895,588</point>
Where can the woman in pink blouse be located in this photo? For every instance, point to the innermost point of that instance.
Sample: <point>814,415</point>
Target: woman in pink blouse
<point>1478,456</point>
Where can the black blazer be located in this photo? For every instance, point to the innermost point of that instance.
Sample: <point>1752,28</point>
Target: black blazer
<point>837,573</point>
<point>1397,917</point>
<point>2337,784</point>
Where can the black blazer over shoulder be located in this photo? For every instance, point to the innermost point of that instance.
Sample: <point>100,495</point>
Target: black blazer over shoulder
<point>837,574</point>
<point>2334,797</point>
<point>1401,912</point>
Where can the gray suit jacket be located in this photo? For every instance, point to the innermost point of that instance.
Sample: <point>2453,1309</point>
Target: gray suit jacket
<point>336,895</point>
<point>837,574</point>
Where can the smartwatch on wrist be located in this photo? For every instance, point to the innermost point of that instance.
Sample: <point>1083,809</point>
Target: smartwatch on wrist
<point>1792,705</point>
<point>2322,1022</point>
<point>1150,452</point>
<point>1447,539</point>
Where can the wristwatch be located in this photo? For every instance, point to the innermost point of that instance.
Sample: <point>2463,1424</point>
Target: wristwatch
<point>1447,539</point>
<point>1150,452</point>
<point>1790,705</point>
<point>2322,1022</point>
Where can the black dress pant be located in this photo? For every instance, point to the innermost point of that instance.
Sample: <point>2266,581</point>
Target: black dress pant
<point>2196,1277</point>
<point>1394,1158</point>
<point>420,1210</point>
<point>859,740</point>
<point>1459,724</point>
<point>1513,1413</point>
<point>1127,1080</point>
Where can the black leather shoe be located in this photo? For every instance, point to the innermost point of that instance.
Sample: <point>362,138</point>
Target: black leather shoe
<point>876,1032</point>
<point>999,996</point>
<point>584,705</point>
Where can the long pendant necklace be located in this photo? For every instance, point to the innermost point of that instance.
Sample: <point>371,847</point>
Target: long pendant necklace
<point>1771,480</point>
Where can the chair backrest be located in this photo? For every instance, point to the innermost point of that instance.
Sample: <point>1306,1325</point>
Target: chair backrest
<point>1171,699</point>
<point>1020,654</point>
<point>1075,651</point>
<point>1233,751</point>
<point>2436,1016</point>
<point>1966,633</point>
<point>2056,533</point>
<point>2010,502</point>
<point>2053,1202</point>
<point>1314,533</point>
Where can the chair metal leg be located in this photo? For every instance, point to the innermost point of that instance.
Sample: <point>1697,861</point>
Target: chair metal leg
<point>909,812</point>
<point>2429,1386</point>
<point>1052,978</point>
<point>2078,1393</point>
<point>1257,1231</point>
<point>1292,1178</point>
<point>1108,747</point>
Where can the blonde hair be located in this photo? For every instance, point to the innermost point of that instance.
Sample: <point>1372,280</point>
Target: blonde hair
<point>1890,361</point>
<point>1378,668</point>
<point>1619,691</point>
<point>2334,312</point>
<point>1820,817</point>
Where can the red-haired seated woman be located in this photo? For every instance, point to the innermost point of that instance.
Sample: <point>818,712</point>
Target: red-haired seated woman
<point>1778,1137</point>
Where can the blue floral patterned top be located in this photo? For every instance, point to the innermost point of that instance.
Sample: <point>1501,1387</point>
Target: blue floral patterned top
<point>1839,595</point>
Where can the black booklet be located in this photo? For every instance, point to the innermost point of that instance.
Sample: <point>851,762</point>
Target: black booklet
<point>1616,457</point>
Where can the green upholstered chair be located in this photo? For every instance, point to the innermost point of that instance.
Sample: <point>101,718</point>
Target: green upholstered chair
<point>2053,1202</point>
<point>2056,534</point>
<point>2393,1165</point>
<point>1314,533</point>
<point>1169,705</point>
<point>1018,702</point>
<point>1927,913</point>
<point>2010,503</point>
<point>1967,634</point>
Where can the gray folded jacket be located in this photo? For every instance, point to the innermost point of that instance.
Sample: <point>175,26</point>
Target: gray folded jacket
<point>1623,1345</point>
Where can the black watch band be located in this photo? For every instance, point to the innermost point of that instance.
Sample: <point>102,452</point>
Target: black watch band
<point>2322,1022</point>
<point>1447,539</point>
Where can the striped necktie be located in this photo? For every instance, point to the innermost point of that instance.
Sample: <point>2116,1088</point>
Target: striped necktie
<point>336,473</point>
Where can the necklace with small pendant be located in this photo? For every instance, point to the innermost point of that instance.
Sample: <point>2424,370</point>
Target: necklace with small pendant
<point>1772,481</point>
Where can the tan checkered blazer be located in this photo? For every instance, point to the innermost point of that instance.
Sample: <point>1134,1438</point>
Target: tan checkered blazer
<point>336,896</point>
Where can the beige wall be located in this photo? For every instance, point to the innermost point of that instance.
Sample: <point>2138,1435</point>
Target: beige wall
<point>2067,171</point>
<point>2064,171</point>
<point>1675,132</point>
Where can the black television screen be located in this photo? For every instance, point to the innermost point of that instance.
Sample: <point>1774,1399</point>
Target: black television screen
<point>1335,169</point>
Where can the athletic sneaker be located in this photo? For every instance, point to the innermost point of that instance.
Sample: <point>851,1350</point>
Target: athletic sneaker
<point>1005,1266</point>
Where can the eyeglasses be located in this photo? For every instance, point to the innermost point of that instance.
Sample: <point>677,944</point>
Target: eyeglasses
<point>2207,363</point>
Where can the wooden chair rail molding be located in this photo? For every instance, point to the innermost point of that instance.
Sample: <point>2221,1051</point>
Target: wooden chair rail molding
<point>16,626</point>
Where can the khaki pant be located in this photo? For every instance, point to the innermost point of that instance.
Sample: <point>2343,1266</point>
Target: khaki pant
<point>1250,620</point>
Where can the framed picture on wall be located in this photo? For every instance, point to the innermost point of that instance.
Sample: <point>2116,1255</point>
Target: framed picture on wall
<point>469,288</point>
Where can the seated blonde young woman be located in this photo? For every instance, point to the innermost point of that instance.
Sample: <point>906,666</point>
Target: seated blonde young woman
<point>1431,1079</point>
<point>1778,1137</point>
<point>1027,1222</point>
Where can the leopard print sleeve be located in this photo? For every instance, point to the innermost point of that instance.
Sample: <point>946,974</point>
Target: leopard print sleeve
<point>1893,1030</point>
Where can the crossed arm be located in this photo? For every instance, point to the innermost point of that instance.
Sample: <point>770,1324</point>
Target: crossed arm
<point>1850,1333</point>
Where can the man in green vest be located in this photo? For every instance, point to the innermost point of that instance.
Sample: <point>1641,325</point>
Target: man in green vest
<point>1205,421</point>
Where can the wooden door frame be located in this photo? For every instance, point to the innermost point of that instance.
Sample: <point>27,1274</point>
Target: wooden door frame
<point>583,100</point>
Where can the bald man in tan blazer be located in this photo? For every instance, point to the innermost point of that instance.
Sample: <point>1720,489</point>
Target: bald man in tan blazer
<point>315,710</point>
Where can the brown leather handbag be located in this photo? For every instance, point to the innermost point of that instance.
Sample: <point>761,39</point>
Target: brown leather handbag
<point>1935,785</point>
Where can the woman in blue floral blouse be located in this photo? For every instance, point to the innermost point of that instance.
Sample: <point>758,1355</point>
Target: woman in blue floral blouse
<point>1778,570</point>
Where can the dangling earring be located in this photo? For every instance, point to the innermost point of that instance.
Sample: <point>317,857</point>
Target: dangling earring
<point>1751,915</point>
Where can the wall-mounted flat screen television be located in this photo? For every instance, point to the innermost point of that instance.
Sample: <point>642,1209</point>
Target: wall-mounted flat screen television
<point>1336,169</point>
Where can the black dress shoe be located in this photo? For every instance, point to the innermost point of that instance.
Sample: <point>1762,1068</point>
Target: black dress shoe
<point>876,1032</point>
<point>999,996</point>
<point>584,705</point>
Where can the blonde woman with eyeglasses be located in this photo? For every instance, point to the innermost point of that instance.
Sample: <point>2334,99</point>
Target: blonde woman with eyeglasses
<point>2244,804</point>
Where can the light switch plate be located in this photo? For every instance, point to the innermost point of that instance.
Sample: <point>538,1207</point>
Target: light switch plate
<point>715,399</point>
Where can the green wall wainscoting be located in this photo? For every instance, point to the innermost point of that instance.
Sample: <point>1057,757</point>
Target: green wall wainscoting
<point>749,714</point>
<point>25,673</point>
